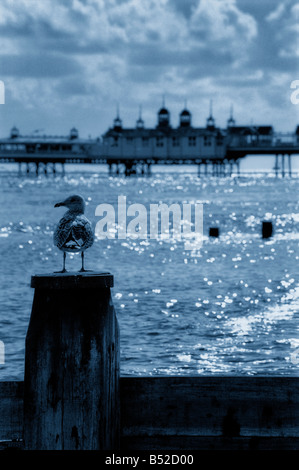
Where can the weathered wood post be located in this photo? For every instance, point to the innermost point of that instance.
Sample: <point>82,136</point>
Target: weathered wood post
<point>71,386</point>
<point>214,232</point>
<point>267,229</point>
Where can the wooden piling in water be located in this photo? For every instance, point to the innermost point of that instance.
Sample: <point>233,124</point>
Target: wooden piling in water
<point>71,385</point>
<point>267,229</point>
<point>214,232</point>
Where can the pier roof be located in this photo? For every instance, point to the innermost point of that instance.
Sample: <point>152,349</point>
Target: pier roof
<point>243,130</point>
<point>162,131</point>
<point>44,139</point>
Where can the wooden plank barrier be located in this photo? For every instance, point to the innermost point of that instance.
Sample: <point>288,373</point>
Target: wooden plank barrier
<point>210,412</point>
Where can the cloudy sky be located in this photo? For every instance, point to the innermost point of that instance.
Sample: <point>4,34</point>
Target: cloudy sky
<point>69,62</point>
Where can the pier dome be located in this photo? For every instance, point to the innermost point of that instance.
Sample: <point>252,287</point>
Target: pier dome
<point>231,121</point>
<point>117,124</point>
<point>185,118</point>
<point>14,133</point>
<point>163,117</point>
<point>211,120</point>
<point>74,134</point>
<point>140,121</point>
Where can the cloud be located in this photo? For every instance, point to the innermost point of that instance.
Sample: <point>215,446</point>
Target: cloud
<point>74,86</point>
<point>37,65</point>
<point>277,13</point>
<point>102,51</point>
<point>222,20</point>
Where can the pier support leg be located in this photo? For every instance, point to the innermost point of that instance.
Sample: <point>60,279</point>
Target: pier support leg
<point>282,166</point>
<point>198,170</point>
<point>71,386</point>
<point>290,165</point>
<point>276,166</point>
<point>149,169</point>
<point>130,168</point>
<point>206,168</point>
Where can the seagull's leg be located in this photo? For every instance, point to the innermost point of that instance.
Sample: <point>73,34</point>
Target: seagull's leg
<point>83,270</point>
<point>63,269</point>
<point>64,258</point>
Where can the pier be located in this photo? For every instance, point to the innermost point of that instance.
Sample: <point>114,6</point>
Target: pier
<point>213,156</point>
<point>73,397</point>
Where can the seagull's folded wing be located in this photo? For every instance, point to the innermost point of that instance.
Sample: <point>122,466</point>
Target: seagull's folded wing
<point>62,232</point>
<point>82,232</point>
<point>74,234</point>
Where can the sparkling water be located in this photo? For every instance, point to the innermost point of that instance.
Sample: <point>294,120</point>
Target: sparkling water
<point>231,307</point>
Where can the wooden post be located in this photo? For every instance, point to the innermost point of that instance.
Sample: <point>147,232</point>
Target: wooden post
<point>267,229</point>
<point>71,386</point>
<point>214,232</point>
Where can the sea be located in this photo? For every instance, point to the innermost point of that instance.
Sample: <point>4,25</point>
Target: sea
<point>230,307</point>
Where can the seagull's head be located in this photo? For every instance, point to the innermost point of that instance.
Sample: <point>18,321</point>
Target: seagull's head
<point>74,203</point>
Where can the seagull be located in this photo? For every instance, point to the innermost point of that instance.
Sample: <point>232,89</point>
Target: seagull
<point>74,231</point>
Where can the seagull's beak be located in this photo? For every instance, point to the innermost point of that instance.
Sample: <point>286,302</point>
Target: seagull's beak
<point>59,204</point>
